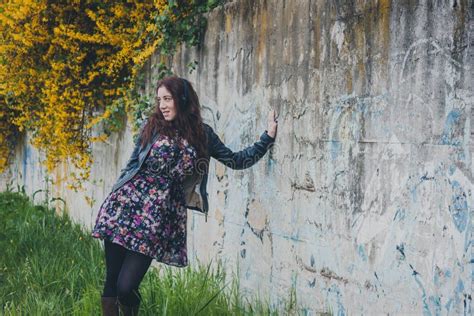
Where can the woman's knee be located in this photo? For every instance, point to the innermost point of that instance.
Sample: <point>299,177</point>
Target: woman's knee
<point>133,270</point>
<point>128,295</point>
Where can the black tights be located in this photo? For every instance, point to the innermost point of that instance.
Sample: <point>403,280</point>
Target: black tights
<point>125,271</point>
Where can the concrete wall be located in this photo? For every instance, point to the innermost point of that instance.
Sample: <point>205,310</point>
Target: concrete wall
<point>365,204</point>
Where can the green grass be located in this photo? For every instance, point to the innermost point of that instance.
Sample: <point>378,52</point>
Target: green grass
<point>51,266</point>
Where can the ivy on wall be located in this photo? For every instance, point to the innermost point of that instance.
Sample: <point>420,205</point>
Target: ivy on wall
<point>66,66</point>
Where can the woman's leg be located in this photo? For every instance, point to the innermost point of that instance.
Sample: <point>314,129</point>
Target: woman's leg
<point>133,270</point>
<point>114,258</point>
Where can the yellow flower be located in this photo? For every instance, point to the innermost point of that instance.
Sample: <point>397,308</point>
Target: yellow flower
<point>61,84</point>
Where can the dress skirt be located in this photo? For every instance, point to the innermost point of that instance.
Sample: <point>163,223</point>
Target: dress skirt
<point>148,213</point>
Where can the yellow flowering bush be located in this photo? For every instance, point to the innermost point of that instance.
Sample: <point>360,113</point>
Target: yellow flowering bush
<point>66,66</point>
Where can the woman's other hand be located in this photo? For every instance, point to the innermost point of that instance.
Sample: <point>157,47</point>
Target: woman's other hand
<point>272,123</point>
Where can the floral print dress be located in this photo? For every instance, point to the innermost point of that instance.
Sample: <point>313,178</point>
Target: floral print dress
<point>148,213</point>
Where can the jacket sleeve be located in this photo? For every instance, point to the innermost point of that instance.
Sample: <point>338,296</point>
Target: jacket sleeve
<point>133,160</point>
<point>239,159</point>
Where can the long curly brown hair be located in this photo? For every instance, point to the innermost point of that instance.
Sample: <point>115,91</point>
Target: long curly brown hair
<point>188,118</point>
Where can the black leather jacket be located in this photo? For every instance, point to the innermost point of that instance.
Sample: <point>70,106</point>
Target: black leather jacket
<point>195,184</point>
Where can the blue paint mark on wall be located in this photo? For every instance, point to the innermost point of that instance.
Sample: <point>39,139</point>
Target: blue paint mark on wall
<point>423,178</point>
<point>351,267</point>
<point>449,137</point>
<point>458,207</point>
<point>335,149</point>
<point>426,308</point>
<point>448,304</point>
<point>452,168</point>
<point>247,274</point>
<point>440,274</point>
<point>361,252</point>
<point>340,307</point>
<point>459,296</point>
<point>436,302</point>
<point>401,250</point>
<point>459,287</point>
<point>399,215</point>
<point>413,193</point>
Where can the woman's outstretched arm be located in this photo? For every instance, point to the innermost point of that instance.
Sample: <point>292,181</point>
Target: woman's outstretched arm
<point>247,157</point>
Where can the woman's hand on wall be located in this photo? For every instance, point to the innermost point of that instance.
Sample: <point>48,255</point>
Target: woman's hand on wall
<point>272,123</point>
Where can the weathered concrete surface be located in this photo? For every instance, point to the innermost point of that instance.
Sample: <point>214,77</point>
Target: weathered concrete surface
<point>109,158</point>
<point>365,204</point>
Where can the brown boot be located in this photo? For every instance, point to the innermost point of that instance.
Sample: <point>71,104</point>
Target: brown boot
<point>109,306</point>
<point>128,310</point>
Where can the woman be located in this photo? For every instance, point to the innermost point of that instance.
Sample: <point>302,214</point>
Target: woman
<point>144,217</point>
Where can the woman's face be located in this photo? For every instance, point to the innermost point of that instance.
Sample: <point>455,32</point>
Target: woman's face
<point>166,104</point>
